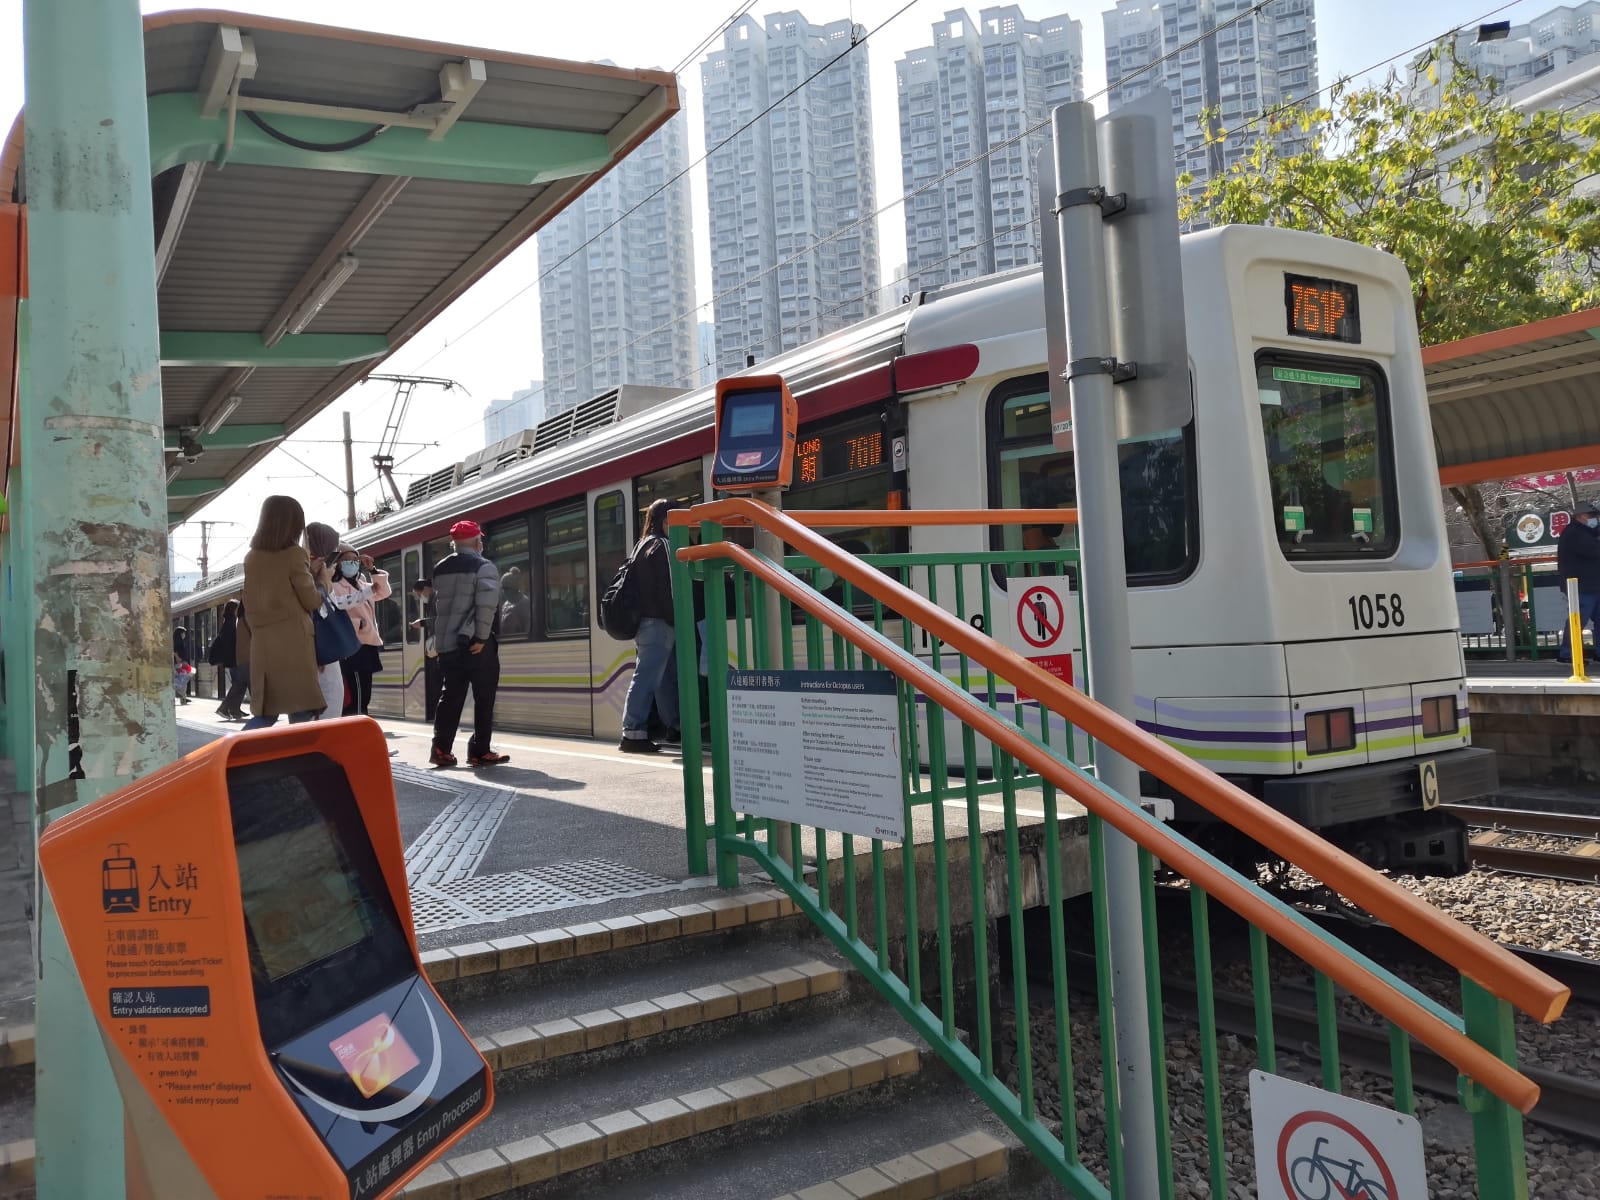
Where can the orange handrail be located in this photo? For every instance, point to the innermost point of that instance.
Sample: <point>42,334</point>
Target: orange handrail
<point>1467,1056</point>
<point>1491,966</point>
<point>845,518</point>
<point>1495,562</point>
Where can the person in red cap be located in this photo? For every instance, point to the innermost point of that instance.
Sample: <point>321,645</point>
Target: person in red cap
<point>466,630</point>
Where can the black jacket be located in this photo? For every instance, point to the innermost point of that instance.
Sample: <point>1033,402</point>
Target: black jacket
<point>655,579</point>
<point>1578,557</point>
<point>224,647</point>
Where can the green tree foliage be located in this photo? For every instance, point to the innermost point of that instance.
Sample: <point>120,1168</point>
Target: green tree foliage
<point>1481,202</point>
<point>1486,205</point>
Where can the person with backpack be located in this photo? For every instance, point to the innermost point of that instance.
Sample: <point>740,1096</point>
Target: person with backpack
<point>224,655</point>
<point>466,630</point>
<point>643,592</point>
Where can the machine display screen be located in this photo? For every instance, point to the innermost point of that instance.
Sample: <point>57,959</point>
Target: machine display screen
<point>1326,309</point>
<point>754,416</point>
<point>302,900</point>
<point>315,904</point>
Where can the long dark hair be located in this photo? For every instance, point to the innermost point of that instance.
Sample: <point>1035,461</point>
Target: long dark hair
<point>655,520</point>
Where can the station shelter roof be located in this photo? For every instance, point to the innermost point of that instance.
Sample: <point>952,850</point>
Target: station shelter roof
<point>1518,401</point>
<point>321,194</point>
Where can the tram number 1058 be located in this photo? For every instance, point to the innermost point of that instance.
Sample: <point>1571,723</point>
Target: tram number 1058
<point>1377,612</point>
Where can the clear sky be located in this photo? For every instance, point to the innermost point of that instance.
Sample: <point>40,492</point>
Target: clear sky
<point>492,355</point>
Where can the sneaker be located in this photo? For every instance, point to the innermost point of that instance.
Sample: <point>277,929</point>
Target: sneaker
<point>630,745</point>
<point>672,737</point>
<point>487,759</point>
<point>440,758</point>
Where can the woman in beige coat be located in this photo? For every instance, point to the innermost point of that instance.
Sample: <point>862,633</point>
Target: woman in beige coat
<point>279,598</point>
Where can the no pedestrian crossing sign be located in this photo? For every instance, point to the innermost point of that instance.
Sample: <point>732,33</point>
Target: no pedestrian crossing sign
<point>1045,625</point>
<point>1316,1145</point>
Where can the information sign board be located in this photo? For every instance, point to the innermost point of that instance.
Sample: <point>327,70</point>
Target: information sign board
<point>818,748</point>
<point>1311,1144</point>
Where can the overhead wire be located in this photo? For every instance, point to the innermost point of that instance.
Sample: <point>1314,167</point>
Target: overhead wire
<point>661,189</point>
<point>927,185</point>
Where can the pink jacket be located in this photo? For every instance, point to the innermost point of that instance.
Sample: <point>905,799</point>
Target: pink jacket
<point>361,614</point>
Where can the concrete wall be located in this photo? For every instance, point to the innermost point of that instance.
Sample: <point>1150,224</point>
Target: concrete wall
<point>1548,737</point>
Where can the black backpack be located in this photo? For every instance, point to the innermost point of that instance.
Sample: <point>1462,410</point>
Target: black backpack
<point>619,604</point>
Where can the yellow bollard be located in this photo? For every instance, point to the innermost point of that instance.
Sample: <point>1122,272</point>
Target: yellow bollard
<point>1575,633</point>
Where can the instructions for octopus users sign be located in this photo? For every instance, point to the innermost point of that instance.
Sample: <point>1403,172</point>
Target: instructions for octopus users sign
<point>818,748</point>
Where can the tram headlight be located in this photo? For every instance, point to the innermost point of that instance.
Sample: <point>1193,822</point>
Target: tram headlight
<point>1331,731</point>
<point>1439,716</point>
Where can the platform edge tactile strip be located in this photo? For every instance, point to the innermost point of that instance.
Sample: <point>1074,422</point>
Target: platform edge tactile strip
<point>444,963</point>
<point>621,1134</point>
<point>525,1046</point>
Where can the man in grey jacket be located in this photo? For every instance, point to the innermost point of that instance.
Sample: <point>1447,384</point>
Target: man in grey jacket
<point>466,629</point>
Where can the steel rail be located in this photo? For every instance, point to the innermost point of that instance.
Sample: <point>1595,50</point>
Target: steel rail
<point>1541,864</point>
<point>1520,820</point>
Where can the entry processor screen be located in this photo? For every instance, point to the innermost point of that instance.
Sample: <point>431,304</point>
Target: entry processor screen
<point>753,414</point>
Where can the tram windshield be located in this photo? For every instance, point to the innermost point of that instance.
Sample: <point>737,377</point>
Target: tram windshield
<point>1330,458</point>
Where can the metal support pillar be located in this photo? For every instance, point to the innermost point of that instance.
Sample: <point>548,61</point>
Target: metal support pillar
<point>349,477</point>
<point>91,433</point>
<point>1509,609</point>
<point>1105,602</point>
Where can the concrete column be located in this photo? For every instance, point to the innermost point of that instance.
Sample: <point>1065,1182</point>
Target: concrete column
<point>95,494</point>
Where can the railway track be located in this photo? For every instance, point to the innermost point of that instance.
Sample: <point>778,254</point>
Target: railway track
<point>1522,820</point>
<point>1493,823</point>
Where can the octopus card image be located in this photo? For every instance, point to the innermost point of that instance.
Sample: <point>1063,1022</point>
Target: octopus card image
<point>374,1055</point>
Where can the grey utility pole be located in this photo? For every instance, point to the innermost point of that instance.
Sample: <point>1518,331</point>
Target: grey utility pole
<point>1081,201</point>
<point>349,477</point>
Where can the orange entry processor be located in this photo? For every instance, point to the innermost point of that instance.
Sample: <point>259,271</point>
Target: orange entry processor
<point>243,930</point>
<point>755,431</point>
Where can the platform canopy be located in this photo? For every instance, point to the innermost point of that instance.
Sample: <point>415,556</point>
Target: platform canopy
<point>321,194</point>
<point>1519,401</point>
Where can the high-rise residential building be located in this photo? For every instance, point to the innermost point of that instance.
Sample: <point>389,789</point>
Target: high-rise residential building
<point>524,410</point>
<point>1531,50</point>
<point>972,97</point>
<point>1225,63</point>
<point>619,307</point>
<point>794,248</point>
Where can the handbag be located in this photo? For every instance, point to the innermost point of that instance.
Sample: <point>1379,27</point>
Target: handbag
<point>335,634</point>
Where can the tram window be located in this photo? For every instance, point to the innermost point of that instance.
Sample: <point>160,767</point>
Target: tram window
<point>610,535</point>
<point>680,484</point>
<point>506,545</point>
<point>390,612</point>
<point>1159,505</point>
<point>413,610</point>
<point>1330,456</point>
<point>566,571</point>
<point>845,466</point>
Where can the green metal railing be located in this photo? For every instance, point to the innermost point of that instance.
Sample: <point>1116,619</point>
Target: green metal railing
<point>924,939</point>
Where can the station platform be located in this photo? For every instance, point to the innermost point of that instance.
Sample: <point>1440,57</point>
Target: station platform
<point>1540,723</point>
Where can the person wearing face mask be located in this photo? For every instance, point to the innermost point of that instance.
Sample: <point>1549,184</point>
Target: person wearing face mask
<point>1578,557</point>
<point>354,572</point>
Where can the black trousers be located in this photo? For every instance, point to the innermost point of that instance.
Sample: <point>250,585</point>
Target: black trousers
<point>238,685</point>
<point>462,670</point>
<point>358,688</point>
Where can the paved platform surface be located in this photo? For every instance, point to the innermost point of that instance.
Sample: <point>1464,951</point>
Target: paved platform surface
<point>569,831</point>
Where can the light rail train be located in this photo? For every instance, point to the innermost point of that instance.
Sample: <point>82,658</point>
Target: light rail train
<point>1292,608</point>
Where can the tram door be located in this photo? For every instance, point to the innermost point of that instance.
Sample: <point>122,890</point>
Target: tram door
<point>610,661</point>
<point>414,664</point>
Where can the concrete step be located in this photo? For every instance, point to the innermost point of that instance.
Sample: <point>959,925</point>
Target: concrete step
<point>681,1107</point>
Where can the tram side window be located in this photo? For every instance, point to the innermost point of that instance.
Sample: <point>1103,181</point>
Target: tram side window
<point>566,571</point>
<point>390,612</point>
<point>1159,516</point>
<point>1330,458</point>
<point>610,535</point>
<point>681,484</point>
<point>845,466</point>
<point>506,546</point>
<point>408,597</point>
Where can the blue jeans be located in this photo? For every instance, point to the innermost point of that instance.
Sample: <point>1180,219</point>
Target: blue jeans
<point>267,722</point>
<point>655,679</point>
<point>1589,608</point>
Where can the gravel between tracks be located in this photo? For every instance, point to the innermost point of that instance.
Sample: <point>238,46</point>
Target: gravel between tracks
<point>1544,914</point>
<point>1559,1167</point>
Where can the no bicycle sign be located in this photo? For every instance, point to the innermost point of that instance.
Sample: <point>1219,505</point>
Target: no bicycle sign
<point>1316,1145</point>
